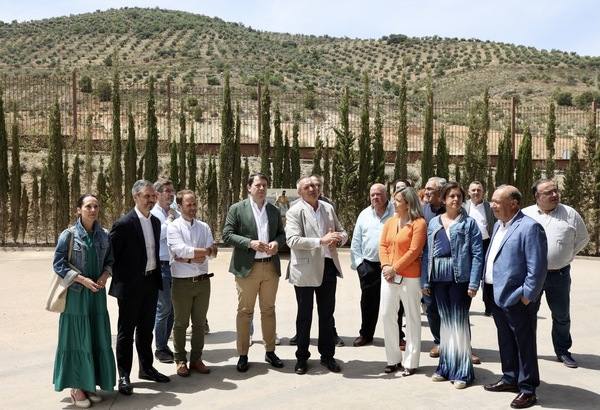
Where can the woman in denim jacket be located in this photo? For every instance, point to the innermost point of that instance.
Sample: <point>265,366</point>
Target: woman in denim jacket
<point>451,271</point>
<point>84,356</point>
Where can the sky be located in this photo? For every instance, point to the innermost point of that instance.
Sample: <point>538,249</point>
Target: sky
<point>572,25</point>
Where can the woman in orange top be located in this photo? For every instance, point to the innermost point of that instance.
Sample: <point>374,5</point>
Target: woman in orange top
<point>400,249</point>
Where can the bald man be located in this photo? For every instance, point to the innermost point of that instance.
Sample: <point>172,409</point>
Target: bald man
<point>516,266</point>
<point>365,259</point>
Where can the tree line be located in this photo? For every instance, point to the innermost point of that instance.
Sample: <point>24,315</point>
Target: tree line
<point>48,203</point>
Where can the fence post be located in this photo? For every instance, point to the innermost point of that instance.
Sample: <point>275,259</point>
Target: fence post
<point>169,108</point>
<point>259,111</point>
<point>74,108</point>
<point>513,128</point>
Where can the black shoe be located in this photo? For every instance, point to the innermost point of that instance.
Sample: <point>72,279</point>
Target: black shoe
<point>164,356</point>
<point>242,364</point>
<point>125,386</point>
<point>273,360</point>
<point>152,374</point>
<point>523,401</point>
<point>339,342</point>
<point>567,360</point>
<point>501,385</point>
<point>331,364</point>
<point>301,367</point>
<point>294,340</point>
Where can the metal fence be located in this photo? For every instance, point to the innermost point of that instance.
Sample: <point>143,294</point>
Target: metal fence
<point>32,98</point>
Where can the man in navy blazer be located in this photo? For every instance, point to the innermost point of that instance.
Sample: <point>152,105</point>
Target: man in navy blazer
<point>516,265</point>
<point>136,280</point>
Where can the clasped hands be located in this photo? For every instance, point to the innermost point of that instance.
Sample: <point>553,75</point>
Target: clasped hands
<point>90,284</point>
<point>270,248</point>
<point>331,239</point>
<point>388,273</point>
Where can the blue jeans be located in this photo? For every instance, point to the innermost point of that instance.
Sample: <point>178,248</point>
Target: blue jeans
<point>164,310</point>
<point>558,288</point>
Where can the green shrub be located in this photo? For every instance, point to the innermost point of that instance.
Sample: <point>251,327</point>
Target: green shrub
<point>104,91</point>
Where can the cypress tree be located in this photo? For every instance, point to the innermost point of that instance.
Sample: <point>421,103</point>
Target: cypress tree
<point>116,174</point>
<point>182,150</point>
<point>140,166</point>
<point>524,177</point>
<point>295,152</point>
<point>573,182</point>
<point>130,156</point>
<point>591,139</point>
<point>15,181</point>
<point>66,206</point>
<point>24,212</point>
<point>364,147</point>
<point>151,153</point>
<point>44,206</point>
<point>202,187</point>
<point>490,184</point>
<point>102,192</point>
<point>236,178</point>
<point>472,165</point>
<point>287,164</point>
<point>35,207</point>
<point>345,179</point>
<point>3,173</point>
<point>173,167</point>
<point>504,166</point>
<point>317,155</point>
<point>88,153</point>
<point>265,133</point>
<point>245,176</point>
<point>427,155</point>
<point>550,141</point>
<point>401,163</point>
<point>378,167</point>
<point>226,153</point>
<point>192,161</point>
<point>212,192</point>
<point>75,183</point>
<point>277,150</point>
<point>326,169</point>
<point>56,175</point>
<point>457,176</point>
<point>485,129</point>
<point>442,162</point>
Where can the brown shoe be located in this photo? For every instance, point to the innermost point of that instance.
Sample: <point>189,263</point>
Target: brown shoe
<point>523,400</point>
<point>435,351</point>
<point>199,366</point>
<point>475,359</point>
<point>402,344</point>
<point>182,369</point>
<point>361,341</point>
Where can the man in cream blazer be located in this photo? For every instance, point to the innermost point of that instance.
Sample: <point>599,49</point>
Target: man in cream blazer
<point>313,233</point>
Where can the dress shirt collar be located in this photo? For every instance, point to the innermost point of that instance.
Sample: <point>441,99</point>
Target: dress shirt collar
<point>141,215</point>
<point>509,223</point>
<point>255,205</point>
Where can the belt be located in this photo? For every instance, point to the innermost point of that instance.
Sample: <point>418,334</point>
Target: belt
<point>198,278</point>
<point>149,272</point>
<point>558,270</point>
<point>269,259</point>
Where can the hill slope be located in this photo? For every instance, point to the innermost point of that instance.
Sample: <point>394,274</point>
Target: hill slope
<point>196,49</point>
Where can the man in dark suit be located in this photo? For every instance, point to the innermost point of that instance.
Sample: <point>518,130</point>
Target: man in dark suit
<point>135,283</point>
<point>255,229</point>
<point>516,265</point>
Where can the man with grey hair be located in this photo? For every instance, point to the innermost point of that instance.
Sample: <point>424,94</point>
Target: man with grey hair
<point>365,259</point>
<point>135,283</point>
<point>567,236</point>
<point>433,207</point>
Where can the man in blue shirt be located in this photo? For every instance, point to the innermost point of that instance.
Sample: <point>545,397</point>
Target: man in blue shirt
<point>365,259</point>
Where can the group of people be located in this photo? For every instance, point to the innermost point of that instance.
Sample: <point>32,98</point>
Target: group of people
<point>407,251</point>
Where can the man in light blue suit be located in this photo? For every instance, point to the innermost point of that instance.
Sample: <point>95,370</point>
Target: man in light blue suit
<point>516,265</point>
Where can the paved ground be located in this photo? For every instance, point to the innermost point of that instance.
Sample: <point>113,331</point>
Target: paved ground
<point>28,339</point>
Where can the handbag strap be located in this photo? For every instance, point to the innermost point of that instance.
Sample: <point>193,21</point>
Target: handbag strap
<point>70,251</point>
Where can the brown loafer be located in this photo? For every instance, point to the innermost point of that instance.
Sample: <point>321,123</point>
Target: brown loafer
<point>182,369</point>
<point>523,400</point>
<point>361,341</point>
<point>501,385</point>
<point>435,351</point>
<point>199,366</point>
<point>475,359</point>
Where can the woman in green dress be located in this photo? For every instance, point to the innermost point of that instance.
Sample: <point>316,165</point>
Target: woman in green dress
<point>84,357</point>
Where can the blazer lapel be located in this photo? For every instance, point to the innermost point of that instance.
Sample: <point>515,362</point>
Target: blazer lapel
<point>512,228</point>
<point>272,215</point>
<point>249,217</point>
<point>137,226</point>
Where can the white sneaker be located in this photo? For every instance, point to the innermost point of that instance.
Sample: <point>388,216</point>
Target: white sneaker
<point>460,384</point>
<point>438,378</point>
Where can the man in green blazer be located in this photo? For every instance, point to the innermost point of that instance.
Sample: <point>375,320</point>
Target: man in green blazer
<point>255,230</point>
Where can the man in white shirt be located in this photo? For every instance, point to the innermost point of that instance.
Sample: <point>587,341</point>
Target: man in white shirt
<point>313,233</point>
<point>190,243</point>
<point>255,230</point>
<point>481,212</point>
<point>164,308</point>
<point>567,236</point>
